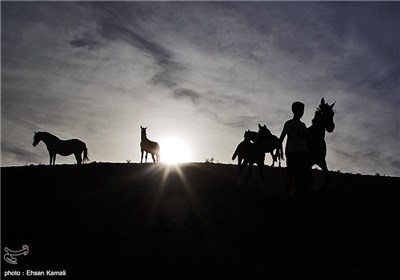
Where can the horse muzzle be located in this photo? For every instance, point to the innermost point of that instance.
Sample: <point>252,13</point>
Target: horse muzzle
<point>330,128</point>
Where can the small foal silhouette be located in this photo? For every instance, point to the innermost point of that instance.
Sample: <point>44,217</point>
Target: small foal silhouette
<point>149,147</point>
<point>249,153</point>
<point>271,144</point>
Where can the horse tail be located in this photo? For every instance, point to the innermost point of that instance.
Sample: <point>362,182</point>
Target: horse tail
<point>85,154</point>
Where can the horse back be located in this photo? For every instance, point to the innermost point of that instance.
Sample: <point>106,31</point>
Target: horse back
<point>149,146</point>
<point>71,146</point>
<point>244,148</point>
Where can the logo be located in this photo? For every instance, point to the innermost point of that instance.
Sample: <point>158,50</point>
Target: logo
<point>10,255</point>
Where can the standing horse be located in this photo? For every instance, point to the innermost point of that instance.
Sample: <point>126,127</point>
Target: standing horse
<point>322,121</point>
<point>149,147</point>
<point>252,153</point>
<point>61,147</point>
<point>271,144</point>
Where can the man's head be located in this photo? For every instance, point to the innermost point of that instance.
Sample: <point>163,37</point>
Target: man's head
<point>298,109</point>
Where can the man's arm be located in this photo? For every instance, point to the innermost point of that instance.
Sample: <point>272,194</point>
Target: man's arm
<point>283,133</point>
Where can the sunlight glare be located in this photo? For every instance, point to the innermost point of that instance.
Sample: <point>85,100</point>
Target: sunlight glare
<point>174,150</point>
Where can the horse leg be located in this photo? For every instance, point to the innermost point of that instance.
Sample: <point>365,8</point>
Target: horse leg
<point>310,182</point>
<point>153,157</point>
<point>146,157</point>
<point>273,158</point>
<point>141,158</point>
<point>278,155</point>
<point>261,171</point>
<point>240,162</point>
<point>249,173</point>
<point>242,166</point>
<point>289,180</point>
<point>78,158</point>
<point>324,167</point>
<point>53,159</point>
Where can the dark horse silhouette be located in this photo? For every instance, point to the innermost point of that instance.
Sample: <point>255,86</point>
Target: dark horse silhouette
<point>249,153</point>
<point>322,121</point>
<point>271,144</point>
<point>149,147</point>
<point>61,147</point>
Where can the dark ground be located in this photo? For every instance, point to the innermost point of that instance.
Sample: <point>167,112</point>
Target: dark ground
<point>138,220</point>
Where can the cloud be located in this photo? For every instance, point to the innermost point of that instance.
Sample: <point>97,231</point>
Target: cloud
<point>97,69</point>
<point>182,93</point>
<point>84,41</point>
<point>111,29</point>
<point>14,153</point>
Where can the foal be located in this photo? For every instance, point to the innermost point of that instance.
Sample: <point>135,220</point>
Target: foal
<point>271,143</point>
<point>252,153</point>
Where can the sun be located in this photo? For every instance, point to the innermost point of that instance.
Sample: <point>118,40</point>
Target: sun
<point>174,150</point>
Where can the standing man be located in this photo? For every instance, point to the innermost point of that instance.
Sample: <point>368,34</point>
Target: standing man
<point>297,151</point>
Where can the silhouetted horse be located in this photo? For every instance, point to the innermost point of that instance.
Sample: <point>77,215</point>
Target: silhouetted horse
<point>149,147</point>
<point>252,153</point>
<point>61,147</point>
<point>322,121</point>
<point>271,144</point>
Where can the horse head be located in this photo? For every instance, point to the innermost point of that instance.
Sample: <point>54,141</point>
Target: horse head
<point>247,135</point>
<point>326,113</point>
<point>263,132</point>
<point>143,130</point>
<point>36,138</point>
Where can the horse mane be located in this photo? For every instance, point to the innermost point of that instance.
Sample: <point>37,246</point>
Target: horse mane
<point>47,134</point>
<point>317,114</point>
<point>320,110</point>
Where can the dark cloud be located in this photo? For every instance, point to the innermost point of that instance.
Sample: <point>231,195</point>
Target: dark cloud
<point>111,29</point>
<point>220,108</point>
<point>84,41</point>
<point>165,77</point>
<point>182,93</point>
<point>235,121</point>
<point>115,31</point>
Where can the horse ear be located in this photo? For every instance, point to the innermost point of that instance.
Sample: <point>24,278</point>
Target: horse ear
<point>259,126</point>
<point>333,104</point>
<point>322,101</point>
<point>265,126</point>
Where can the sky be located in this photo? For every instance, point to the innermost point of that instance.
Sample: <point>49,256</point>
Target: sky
<point>199,74</point>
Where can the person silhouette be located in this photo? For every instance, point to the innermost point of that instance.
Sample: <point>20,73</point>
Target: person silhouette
<point>297,150</point>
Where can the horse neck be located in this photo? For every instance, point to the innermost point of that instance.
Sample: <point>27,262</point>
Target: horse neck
<point>253,136</point>
<point>144,137</point>
<point>317,128</point>
<point>49,138</point>
<point>260,140</point>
